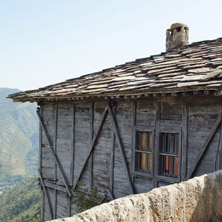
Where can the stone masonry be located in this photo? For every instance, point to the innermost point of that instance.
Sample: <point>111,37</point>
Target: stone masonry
<point>198,199</point>
<point>177,36</point>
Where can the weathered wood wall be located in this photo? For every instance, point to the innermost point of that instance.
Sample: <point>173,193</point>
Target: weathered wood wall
<point>71,127</point>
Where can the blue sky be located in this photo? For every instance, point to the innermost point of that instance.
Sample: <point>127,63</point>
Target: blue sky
<point>43,42</point>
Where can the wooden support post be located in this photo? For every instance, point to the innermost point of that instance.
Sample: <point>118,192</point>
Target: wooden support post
<point>112,156</point>
<point>55,166</point>
<point>92,145</point>
<point>55,156</point>
<point>46,193</point>
<point>156,150</point>
<point>133,140</point>
<point>184,140</point>
<point>205,146</point>
<point>55,138</point>
<point>91,156</point>
<point>118,140</point>
<point>69,201</point>
<point>72,157</point>
<point>40,161</point>
<point>40,140</point>
<point>72,165</point>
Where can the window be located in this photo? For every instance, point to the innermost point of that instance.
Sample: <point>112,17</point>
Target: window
<point>144,146</point>
<point>168,154</point>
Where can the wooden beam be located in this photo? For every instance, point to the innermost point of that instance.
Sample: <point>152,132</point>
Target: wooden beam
<point>91,119</point>
<point>72,164</point>
<point>184,140</point>
<point>205,146</point>
<point>92,145</point>
<point>156,146</point>
<point>40,160</point>
<point>54,155</point>
<point>40,140</point>
<point>46,193</point>
<point>55,186</point>
<point>55,204</point>
<point>72,159</point>
<point>119,142</point>
<point>133,131</point>
<point>55,150</point>
<point>112,156</point>
<point>69,207</point>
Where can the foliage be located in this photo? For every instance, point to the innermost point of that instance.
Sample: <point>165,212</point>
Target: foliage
<point>18,141</point>
<point>22,203</point>
<point>84,199</point>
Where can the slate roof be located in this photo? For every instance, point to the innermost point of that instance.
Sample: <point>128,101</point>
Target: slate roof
<point>194,68</point>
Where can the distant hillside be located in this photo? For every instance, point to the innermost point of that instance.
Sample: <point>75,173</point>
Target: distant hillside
<point>18,140</point>
<point>21,204</point>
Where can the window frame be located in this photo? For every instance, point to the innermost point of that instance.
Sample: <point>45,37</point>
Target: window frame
<point>166,178</point>
<point>137,172</point>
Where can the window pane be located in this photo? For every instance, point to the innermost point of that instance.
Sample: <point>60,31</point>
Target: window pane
<point>150,141</point>
<point>142,165</point>
<point>167,161</point>
<point>169,143</point>
<point>162,169</point>
<point>149,155</point>
<point>144,151</point>
<point>176,166</point>
<point>169,147</point>
<point>176,144</point>
<point>144,161</point>
<point>144,141</point>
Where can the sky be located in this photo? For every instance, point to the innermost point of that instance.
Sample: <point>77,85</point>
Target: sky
<point>43,42</point>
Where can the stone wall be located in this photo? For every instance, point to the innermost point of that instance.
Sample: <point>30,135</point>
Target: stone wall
<point>198,199</point>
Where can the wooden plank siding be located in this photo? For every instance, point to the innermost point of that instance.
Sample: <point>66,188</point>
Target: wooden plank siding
<point>124,122</point>
<point>82,142</point>
<point>203,113</point>
<point>102,151</point>
<point>76,123</point>
<point>64,138</point>
<point>47,159</point>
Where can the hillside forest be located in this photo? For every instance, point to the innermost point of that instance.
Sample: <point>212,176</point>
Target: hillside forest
<point>19,191</point>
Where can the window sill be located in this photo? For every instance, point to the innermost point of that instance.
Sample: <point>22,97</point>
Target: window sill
<point>143,174</point>
<point>168,179</point>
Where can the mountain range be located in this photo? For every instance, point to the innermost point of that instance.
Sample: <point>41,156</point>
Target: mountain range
<point>18,141</point>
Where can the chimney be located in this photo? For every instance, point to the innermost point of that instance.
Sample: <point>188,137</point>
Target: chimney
<point>177,36</point>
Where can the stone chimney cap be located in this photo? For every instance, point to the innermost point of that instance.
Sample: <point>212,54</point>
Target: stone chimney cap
<point>177,36</point>
<point>177,25</point>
